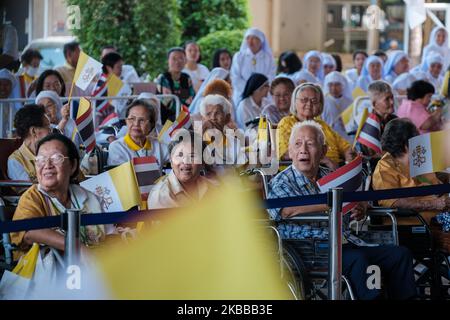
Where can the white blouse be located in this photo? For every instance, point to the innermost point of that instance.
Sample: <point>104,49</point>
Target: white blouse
<point>244,64</point>
<point>120,153</point>
<point>200,74</point>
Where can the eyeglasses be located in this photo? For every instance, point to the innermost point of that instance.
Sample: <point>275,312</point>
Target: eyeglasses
<point>312,101</point>
<point>57,159</point>
<point>138,121</point>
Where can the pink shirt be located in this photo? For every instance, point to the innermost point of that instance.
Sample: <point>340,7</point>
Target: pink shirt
<point>417,113</point>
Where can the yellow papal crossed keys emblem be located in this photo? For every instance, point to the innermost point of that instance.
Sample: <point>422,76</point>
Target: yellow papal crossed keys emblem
<point>88,73</point>
<point>419,156</point>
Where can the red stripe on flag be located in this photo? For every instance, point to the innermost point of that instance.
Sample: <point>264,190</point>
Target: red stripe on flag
<point>84,116</point>
<point>144,160</point>
<point>90,147</point>
<point>369,144</point>
<point>340,171</point>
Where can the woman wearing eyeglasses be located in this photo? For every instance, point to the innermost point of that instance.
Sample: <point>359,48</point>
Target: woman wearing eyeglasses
<point>140,139</point>
<point>31,125</point>
<point>57,166</point>
<point>307,104</point>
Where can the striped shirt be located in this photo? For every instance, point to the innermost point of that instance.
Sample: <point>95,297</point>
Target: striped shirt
<point>290,183</point>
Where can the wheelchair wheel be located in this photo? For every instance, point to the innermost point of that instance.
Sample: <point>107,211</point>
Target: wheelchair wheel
<point>294,273</point>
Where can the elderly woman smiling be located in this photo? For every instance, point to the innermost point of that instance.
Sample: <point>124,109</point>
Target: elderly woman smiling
<point>57,165</point>
<point>184,183</point>
<point>140,120</point>
<point>307,104</point>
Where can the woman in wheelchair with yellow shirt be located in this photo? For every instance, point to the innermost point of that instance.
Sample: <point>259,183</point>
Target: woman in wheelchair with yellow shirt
<point>392,171</point>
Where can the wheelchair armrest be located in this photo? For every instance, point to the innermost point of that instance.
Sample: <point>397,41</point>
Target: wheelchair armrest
<point>313,216</point>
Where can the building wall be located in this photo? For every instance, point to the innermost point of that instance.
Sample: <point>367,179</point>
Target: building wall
<point>56,18</point>
<point>290,24</point>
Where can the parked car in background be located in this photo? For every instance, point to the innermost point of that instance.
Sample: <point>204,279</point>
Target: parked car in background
<point>51,48</point>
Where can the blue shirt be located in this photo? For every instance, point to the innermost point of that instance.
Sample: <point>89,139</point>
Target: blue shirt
<point>290,183</point>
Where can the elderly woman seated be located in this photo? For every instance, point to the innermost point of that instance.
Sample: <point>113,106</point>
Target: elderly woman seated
<point>224,143</point>
<point>307,148</point>
<point>32,124</point>
<point>184,183</point>
<point>138,141</point>
<point>281,90</point>
<point>382,99</point>
<point>392,171</point>
<point>415,107</point>
<point>57,165</point>
<point>307,104</point>
<point>58,114</point>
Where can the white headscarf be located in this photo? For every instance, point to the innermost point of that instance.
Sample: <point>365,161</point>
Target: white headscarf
<point>260,35</point>
<point>315,54</point>
<point>305,76</point>
<point>50,95</point>
<point>403,81</point>
<point>365,79</point>
<point>328,60</point>
<point>393,58</point>
<point>432,57</point>
<point>334,77</point>
<point>216,73</point>
<point>419,74</point>
<point>433,35</point>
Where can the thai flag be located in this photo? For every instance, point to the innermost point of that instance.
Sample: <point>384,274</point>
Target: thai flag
<point>370,133</point>
<point>81,112</point>
<point>348,177</point>
<point>147,172</point>
<point>101,90</point>
<point>110,120</point>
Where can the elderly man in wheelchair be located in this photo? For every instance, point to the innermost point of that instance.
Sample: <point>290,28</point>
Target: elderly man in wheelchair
<point>307,148</point>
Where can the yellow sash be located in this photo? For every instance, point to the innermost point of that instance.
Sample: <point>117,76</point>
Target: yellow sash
<point>26,158</point>
<point>135,147</point>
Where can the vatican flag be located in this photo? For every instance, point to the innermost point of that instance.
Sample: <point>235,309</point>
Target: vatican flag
<point>87,69</point>
<point>347,114</point>
<point>218,248</point>
<point>117,188</point>
<point>429,152</point>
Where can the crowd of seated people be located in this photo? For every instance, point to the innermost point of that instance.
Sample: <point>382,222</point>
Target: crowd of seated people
<point>304,103</point>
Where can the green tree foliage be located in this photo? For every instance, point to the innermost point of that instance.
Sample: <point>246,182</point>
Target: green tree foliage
<point>202,17</point>
<point>230,40</point>
<point>143,30</point>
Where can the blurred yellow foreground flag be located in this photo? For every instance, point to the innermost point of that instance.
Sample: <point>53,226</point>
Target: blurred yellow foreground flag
<point>214,250</point>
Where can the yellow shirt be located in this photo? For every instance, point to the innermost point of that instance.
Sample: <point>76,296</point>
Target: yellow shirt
<point>36,204</point>
<point>336,144</point>
<point>391,174</point>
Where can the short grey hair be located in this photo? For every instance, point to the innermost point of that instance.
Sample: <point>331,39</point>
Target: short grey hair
<point>310,124</point>
<point>302,87</point>
<point>215,99</point>
<point>379,88</point>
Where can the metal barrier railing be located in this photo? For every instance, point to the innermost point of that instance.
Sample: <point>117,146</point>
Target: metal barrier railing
<point>10,104</point>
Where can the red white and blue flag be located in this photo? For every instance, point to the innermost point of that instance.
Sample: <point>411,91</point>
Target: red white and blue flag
<point>147,172</point>
<point>113,118</point>
<point>348,177</point>
<point>370,133</point>
<point>81,111</point>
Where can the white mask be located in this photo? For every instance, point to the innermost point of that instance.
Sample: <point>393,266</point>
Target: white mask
<point>31,71</point>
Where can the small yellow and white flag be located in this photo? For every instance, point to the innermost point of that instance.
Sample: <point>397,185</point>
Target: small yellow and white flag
<point>117,188</point>
<point>347,114</point>
<point>87,69</point>
<point>429,152</point>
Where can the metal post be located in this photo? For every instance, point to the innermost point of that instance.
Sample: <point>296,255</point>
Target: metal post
<point>335,246</point>
<point>71,224</point>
